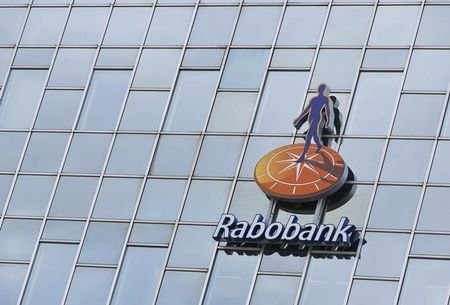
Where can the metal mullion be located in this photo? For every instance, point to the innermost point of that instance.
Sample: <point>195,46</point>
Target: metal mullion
<point>2,91</point>
<point>294,134</point>
<point>234,181</point>
<point>272,210</point>
<point>79,110</point>
<point>422,195</point>
<point>27,141</point>
<point>385,148</point>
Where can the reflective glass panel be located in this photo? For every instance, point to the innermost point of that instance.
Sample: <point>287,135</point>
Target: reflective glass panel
<point>85,25</point>
<point>363,157</point>
<point>139,276</point>
<point>385,58</point>
<point>116,57</point>
<point>90,286</point>
<point>63,230</point>
<point>193,94</point>
<point>11,280</point>
<point>435,210</point>
<point>372,292</point>
<point>12,146</point>
<point>42,30</point>
<point>18,106</point>
<point>188,286</point>
<point>427,244</point>
<point>166,193</point>
<point>292,58</point>
<point>33,56</point>
<point>274,116</point>
<point>50,273</point>
<point>394,207</point>
<point>127,25</point>
<point>231,279</point>
<point>31,195</point>
<point>219,156</point>
<point>150,233</point>
<point>18,238</point>
<point>397,164</point>
<point>276,290</point>
<point>256,25</point>
<point>87,153</point>
<point>71,67</point>
<point>184,254</point>
<point>169,25</point>
<point>117,198</point>
<point>248,200</point>
<point>203,57</point>
<point>11,20</point>
<point>213,26</point>
<point>434,26</point>
<point>440,170</point>
<point>103,243</point>
<point>244,68</point>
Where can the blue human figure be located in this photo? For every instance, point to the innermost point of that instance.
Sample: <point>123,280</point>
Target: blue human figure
<point>313,113</point>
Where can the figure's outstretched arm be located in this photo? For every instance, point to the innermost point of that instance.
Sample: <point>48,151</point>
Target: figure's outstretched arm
<point>302,118</point>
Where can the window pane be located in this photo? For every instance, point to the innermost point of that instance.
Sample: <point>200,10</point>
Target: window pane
<point>103,103</point>
<point>63,230</point>
<point>71,67</point>
<point>130,154</point>
<point>232,111</point>
<point>415,108</point>
<point>435,210</point>
<point>73,196</point>
<point>58,109</point>
<point>18,105</point>
<point>244,68</point>
<point>87,153</point>
<point>363,157</point>
<point>168,192</point>
<point>33,56</point>
<point>372,292</point>
<point>397,165</point>
<point>127,25</point>
<point>394,207</point>
<point>385,58</point>
<point>352,20</point>
<point>169,26</point>
<point>157,68</point>
<point>193,94</point>
<point>213,26</point>
<point>5,58</point>
<point>18,238</point>
<point>337,68</point>
<point>374,102</point>
<point>11,279</point>
<point>144,110</point>
<point>427,244</point>
<point>276,290</point>
<point>117,198</point>
<point>426,282</point>
<point>277,263</point>
<point>41,29</point>
<point>439,171</point>
<point>276,117</point>
<point>44,152</point>
<point>116,57</point>
<point>257,147</point>
<point>355,209</point>
<point>90,286</point>
<point>184,254</point>
<point>394,25</point>
<point>12,146</point>
<point>103,243</point>
<point>206,200</point>
<point>150,233</point>
<point>11,20</point>
<point>224,148</point>
<point>328,275</point>
<point>85,25</point>
<point>168,150</point>
<point>292,58</point>
<point>248,200</point>
<point>139,276</point>
<point>50,274</point>
<point>231,279</point>
<point>31,195</point>
<point>256,25</point>
<point>434,26</point>
<point>376,261</point>
<point>301,25</point>
<point>429,70</point>
<point>188,286</point>
<point>203,57</point>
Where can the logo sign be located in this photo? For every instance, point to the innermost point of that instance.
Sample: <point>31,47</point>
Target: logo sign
<point>296,176</point>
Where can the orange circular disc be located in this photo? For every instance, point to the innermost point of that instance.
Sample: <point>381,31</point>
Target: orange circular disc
<point>321,174</point>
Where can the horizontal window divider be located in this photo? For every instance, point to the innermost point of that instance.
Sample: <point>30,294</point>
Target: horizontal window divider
<point>341,47</point>
<point>199,68</point>
<point>91,4</point>
<point>275,273</point>
<point>376,278</point>
<point>176,4</point>
<point>433,232</point>
<point>154,222</point>
<point>147,47</point>
<point>74,88</point>
<point>431,47</point>
<point>429,92</point>
<point>219,4</point>
<point>63,218</point>
<point>381,69</point>
<point>429,256</point>
<point>117,68</point>
<point>29,67</point>
<point>381,230</point>
<point>259,47</point>
<point>17,262</point>
<point>92,265</point>
<point>109,220</point>
<point>200,224</point>
<point>287,69</point>
<point>147,245</point>
<point>186,269</point>
<point>24,217</point>
<point>59,241</point>
<point>150,89</point>
<point>237,90</point>
<point>295,47</point>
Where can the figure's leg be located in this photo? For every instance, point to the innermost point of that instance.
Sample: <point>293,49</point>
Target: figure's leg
<point>317,140</point>
<point>307,145</point>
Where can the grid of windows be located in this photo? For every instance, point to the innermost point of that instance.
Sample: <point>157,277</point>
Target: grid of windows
<point>127,127</point>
